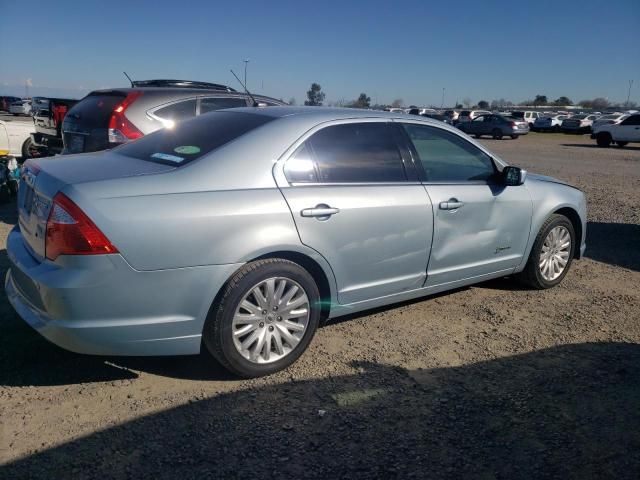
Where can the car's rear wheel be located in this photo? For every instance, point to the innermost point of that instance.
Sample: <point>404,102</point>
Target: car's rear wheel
<point>477,135</point>
<point>621,144</point>
<point>29,150</point>
<point>265,318</point>
<point>497,134</point>
<point>603,139</point>
<point>551,255</point>
<point>514,137</point>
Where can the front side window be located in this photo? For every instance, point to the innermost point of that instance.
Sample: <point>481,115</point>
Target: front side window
<point>355,153</point>
<point>446,157</point>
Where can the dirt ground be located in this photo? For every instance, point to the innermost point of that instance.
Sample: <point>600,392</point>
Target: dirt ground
<point>490,382</point>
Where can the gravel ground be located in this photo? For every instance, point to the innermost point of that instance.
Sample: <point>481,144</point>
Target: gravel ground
<point>489,382</point>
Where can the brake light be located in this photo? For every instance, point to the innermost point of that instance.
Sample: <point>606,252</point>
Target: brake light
<point>120,128</point>
<point>513,124</point>
<point>59,112</point>
<point>71,232</point>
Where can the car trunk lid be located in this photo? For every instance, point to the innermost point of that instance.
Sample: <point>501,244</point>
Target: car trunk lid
<point>42,179</point>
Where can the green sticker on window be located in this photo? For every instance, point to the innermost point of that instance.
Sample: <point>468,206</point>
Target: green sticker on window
<point>187,149</point>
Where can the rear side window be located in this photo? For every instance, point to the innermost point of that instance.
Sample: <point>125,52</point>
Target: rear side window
<point>446,157</point>
<point>356,153</point>
<point>210,104</point>
<point>193,138</point>
<point>178,111</point>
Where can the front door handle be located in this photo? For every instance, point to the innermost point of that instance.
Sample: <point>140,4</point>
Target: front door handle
<point>451,204</point>
<point>321,212</point>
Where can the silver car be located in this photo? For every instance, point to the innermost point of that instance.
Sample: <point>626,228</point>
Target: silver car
<point>242,229</point>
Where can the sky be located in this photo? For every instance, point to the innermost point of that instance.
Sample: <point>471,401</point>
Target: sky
<point>412,50</point>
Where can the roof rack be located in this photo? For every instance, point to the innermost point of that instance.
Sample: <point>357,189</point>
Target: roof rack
<point>181,84</point>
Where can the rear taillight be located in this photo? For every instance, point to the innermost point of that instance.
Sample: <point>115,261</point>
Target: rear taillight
<point>513,124</point>
<point>120,128</point>
<point>59,112</point>
<point>71,232</point>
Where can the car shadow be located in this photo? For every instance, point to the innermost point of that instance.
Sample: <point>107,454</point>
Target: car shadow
<point>569,411</point>
<point>614,243</point>
<point>594,145</point>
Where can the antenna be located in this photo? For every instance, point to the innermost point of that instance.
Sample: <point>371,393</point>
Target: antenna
<point>255,104</point>
<point>129,78</point>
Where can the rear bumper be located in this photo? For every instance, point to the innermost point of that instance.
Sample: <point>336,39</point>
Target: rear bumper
<point>100,305</point>
<point>50,143</point>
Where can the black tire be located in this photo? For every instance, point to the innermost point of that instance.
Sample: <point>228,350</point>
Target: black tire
<point>603,139</point>
<point>531,275</point>
<point>477,135</point>
<point>5,194</point>
<point>556,129</point>
<point>28,149</point>
<point>496,134</point>
<point>514,137</point>
<point>218,335</point>
<point>621,144</point>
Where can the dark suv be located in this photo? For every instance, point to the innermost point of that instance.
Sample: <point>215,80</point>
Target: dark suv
<point>106,118</point>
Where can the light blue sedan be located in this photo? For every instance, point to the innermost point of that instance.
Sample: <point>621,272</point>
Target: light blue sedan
<point>242,229</point>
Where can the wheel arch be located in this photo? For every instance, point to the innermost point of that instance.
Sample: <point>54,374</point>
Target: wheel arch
<point>575,220</point>
<point>315,270</point>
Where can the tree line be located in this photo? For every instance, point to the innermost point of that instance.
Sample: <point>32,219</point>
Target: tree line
<point>316,97</point>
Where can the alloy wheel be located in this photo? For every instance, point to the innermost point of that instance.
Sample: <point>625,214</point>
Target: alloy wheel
<point>555,252</point>
<point>270,320</point>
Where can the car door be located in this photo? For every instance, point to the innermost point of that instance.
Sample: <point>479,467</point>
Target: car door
<point>628,130</point>
<point>477,126</point>
<point>481,226</point>
<point>355,202</point>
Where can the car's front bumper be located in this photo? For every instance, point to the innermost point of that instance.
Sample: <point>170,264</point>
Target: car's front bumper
<point>100,305</point>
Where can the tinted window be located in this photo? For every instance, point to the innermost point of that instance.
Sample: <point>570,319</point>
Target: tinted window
<point>216,103</point>
<point>357,152</point>
<point>94,110</point>
<point>193,138</point>
<point>177,111</point>
<point>300,168</point>
<point>446,157</point>
<point>632,120</point>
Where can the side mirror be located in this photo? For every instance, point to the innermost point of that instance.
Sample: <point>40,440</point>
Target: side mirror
<point>513,176</point>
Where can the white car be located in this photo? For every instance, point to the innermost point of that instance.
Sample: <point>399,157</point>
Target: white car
<point>468,115</point>
<point>15,138</point>
<point>578,123</point>
<point>621,133</point>
<point>549,122</point>
<point>608,119</point>
<point>528,116</point>
<point>21,107</point>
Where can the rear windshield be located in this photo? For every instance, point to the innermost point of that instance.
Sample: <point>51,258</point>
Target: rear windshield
<point>191,139</point>
<point>94,110</point>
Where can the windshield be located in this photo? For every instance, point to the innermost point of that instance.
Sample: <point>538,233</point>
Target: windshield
<point>191,139</point>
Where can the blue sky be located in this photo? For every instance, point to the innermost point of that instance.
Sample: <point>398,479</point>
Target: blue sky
<point>388,49</point>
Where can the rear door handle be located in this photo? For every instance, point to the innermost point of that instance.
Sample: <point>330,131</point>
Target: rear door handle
<point>321,212</point>
<point>451,204</point>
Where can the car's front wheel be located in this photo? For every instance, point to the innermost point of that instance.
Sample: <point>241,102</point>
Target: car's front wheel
<point>265,318</point>
<point>603,139</point>
<point>551,254</point>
